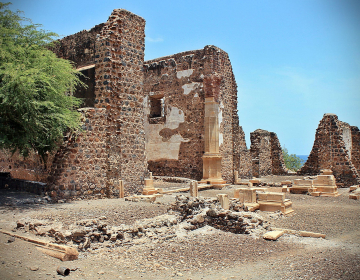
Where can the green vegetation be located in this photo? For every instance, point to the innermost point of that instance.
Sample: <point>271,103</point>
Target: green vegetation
<point>292,162</point>
<point>36,103</point>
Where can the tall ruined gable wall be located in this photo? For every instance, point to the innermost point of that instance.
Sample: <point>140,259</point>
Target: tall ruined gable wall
<point>175,141</point>
<point>229,124</point>
<point>112,144</point>
<point>119,89</point>
<point>332,150</point>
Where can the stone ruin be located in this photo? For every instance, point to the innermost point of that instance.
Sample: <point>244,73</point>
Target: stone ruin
<point>147,116</point>
<point>266,154</point>
<point>321,185</point>
<point>186,214</point>
<point>336,147</point>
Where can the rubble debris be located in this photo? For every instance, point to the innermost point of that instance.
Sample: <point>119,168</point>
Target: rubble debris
<point>273,235</point>
<point>184,215</point>
<point>354,192</point>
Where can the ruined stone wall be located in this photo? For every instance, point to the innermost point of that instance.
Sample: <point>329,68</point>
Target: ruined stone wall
<point>79,47</point>
<point>266,154</point>
<point>30,168</point>
<point>119,89</point>
<point>80,165</point>
<point>355,149</point>
<point>277,158</point>
<point>242,156</point>
<point>260,150</point>
<point>333,149</point>
<point>175,140</point>
<point>228,117</point>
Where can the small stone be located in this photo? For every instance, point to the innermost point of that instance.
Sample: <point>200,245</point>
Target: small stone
<point>101,272</point>
<point>34,268</point>
<point>11,239</point>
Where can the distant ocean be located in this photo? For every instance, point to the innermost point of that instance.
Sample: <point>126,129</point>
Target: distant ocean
<point>303,157</point>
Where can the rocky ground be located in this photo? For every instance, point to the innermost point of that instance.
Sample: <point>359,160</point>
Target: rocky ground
<point>120,239</point>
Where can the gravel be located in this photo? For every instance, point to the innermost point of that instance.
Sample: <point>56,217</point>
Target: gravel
<point>204,253</point>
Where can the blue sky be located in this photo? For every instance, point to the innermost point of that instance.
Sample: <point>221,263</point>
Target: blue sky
<point>293,60</point>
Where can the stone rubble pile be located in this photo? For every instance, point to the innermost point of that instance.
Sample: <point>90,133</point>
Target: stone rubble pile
<point>186,214</point>
<point>200,212</point>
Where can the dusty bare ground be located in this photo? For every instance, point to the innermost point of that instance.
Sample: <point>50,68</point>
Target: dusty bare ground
<point>205,253</point>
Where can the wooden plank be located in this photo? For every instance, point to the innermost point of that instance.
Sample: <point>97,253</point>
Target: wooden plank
<point>64,253</point>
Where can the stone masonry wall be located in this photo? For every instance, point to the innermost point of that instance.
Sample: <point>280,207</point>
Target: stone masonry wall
<point>119,89</point>
<point>333,148</point>
<point>242,156</point>
<point>266,154</point>
<point>260,150</point>
<point>355,149</point>
<point>277,159</point>
<point>29,168</point>
<point>79,47</point>
<point>175,141</point>
<point>80,165</point>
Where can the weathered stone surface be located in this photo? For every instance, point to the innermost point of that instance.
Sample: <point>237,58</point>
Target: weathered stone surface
<point>266,154</point>
<point>336,147</point>
<point>273,235</point>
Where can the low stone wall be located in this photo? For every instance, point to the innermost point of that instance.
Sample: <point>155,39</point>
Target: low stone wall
<point>8,183</point>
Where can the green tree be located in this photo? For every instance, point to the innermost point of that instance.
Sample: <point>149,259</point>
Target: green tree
<point>292,162</point>
<point>36,102</point>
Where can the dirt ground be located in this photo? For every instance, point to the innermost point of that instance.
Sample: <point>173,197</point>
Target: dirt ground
<point>204,253</point>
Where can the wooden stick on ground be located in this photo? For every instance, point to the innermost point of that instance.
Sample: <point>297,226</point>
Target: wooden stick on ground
<point>64,253</point>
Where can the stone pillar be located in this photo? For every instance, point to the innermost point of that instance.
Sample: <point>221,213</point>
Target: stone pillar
<point>194,191</point>
<point>120,186</point>
<point>224,201</point>
<point>236,176</point>
<point>212,157</point>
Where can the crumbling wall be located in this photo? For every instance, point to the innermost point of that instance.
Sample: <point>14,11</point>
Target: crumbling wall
<point>336,143</point>
<point>119,89</point>
<point>80,165</point>
<point>355,149</point>
<point>260,150</point>
<point>242,156</point>
<point>79,47</point>
<point>29,168</point>
<point>175,140</point>
<point>266,154</point>
<point>277,158</point>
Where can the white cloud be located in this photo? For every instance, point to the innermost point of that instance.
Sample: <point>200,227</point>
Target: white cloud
<point>154,40</point>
